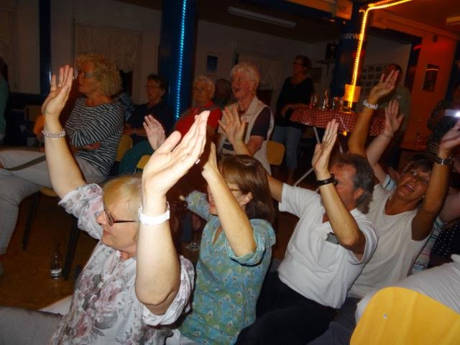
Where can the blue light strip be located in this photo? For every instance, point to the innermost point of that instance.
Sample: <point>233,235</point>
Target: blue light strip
<point>181,58</point>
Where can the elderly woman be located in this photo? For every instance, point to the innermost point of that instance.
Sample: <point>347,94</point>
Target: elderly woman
<point>134,279</point>
<point>93,130</point>
<point>203,92</point>
<point>245,80</point>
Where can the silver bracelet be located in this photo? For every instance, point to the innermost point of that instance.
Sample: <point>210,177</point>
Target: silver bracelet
<point>155,220</point>
<point>370,106</point>
<point>53,135</point>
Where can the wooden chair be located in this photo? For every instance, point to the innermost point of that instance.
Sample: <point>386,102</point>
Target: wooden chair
<point>399,316</point>
<point>126,143</point>
<point>275,152</point>
<point>142,162</point>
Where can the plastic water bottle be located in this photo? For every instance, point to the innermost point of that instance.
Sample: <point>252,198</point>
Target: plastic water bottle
<point>56,264</point>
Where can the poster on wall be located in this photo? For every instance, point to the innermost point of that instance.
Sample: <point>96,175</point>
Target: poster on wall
<point>431,74</point>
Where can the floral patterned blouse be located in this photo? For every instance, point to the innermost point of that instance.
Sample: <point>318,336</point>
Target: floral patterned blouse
<point>227,286</point>
<point>105,309</point>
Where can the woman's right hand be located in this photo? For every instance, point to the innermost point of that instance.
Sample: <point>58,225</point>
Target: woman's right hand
<point>232,125</point>
<point>155,132</point>
<point>173,159</point>
<point>385,85</point>
<point>59,93</point>
<point>393,118</point>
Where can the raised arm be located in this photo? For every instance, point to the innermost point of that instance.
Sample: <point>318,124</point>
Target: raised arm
<point>376,148</point>
<point>64,172</point>
<point>342,222</point>
<point>437,187</point>
<point>233,219</point>
<point>158,269</point>
<point>357,141</point>
<point>234,129</point>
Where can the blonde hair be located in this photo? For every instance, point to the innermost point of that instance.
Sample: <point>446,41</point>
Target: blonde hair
<point>127,189</point>
<point>105,71</point>
<point>250,70</point>
<point>209,83</point>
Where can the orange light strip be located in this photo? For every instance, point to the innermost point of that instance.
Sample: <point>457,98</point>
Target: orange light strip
<point>375,6</point>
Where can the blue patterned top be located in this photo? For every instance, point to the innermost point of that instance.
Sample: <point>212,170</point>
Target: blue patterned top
<point>227,286</point>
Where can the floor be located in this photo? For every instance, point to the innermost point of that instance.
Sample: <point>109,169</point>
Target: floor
<point>26,282</point>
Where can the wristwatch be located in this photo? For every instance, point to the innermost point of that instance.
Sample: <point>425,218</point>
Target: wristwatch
<point>442,161</point>
<point>327,181</point>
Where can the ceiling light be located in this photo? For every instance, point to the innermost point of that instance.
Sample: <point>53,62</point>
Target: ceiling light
<point>261,17</point>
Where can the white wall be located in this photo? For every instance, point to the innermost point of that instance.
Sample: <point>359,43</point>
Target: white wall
<point>382,51</point>
<point>224,41</point>
<point>111,14</point>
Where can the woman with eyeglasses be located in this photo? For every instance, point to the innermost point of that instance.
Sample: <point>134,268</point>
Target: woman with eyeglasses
<point>134,281</point>
<point>93,130</point>
<point>235,249</point>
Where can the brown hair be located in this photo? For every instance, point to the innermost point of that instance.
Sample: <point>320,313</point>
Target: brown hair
<point>364,177</point>
<point>105,71</point>
<point>250,177</point>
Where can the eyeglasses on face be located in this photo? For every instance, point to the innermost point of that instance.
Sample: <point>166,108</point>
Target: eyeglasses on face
<point>111,220</point>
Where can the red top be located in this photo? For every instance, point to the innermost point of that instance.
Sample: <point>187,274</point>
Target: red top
<point>186,121</point>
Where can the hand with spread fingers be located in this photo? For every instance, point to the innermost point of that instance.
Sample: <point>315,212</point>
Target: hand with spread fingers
<point>322,154</point>
<point>173,159</point>
<point>59,92</point>
<point>450,140</point>
<point>393,118</point>
<point>386,84</point>
<point>232,125</point>
<point>155,131</point>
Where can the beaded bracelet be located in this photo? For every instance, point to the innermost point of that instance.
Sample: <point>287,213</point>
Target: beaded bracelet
<point>370,106</point>
<point>53,135</point>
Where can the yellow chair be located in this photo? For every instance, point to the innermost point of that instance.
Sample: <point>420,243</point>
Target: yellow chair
<point>142,162</point>
<point>399,316</point>
<point>275,152</point>
<point>126,142</point>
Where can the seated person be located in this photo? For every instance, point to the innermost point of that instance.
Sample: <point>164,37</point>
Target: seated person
<point>332,241</point>
<point>259,117</point>
<point>440,283</point>
<point>203,91</point>
<point>235,250</point>
<point>93,129</point>
<point>156,89</point>
<point>402,211</point>
<point>134,279</point>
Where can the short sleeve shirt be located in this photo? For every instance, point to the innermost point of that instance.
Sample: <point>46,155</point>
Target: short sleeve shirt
<point>313,266</point>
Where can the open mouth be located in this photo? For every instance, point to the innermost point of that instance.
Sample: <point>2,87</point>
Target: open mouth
<point>409,187</point>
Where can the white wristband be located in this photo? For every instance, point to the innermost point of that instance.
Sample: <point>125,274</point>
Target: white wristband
<point>370,106</point>
<point>155,220</point>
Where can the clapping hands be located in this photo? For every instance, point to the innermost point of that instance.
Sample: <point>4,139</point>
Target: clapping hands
<point>155,132</point>
<point>322,154</point>
<point>59,92</point>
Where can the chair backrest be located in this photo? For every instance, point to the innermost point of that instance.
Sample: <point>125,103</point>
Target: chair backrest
<point>142,162</point>
<point>126,142</point>
<point>275,152</point>
<point>402,316</point>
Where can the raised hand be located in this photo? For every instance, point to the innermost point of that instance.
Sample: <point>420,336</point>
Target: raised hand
<point>210,167</point>
<point>450,140</point>
<point>385,85</point>
<point>322,155</point>
<point>59,92</point>
<point>154,130</point>
<point>393,118</point>
<point>173,159</point>
<point>232,125</point>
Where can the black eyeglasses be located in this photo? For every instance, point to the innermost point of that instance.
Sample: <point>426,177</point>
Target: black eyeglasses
<point>111,220</point>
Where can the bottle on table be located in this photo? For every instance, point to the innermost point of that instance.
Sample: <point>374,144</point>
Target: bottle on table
<point>56,264</point>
